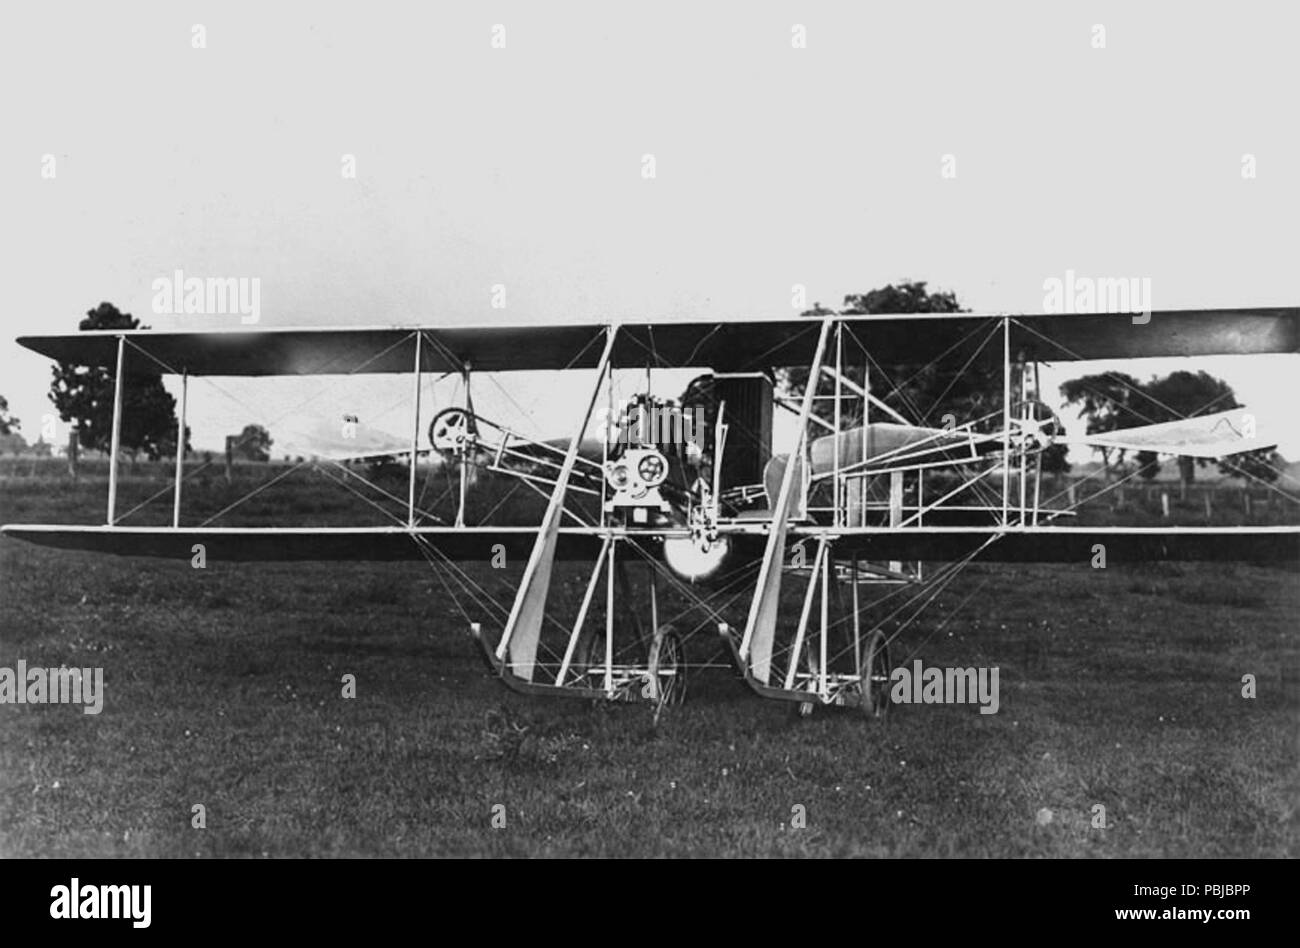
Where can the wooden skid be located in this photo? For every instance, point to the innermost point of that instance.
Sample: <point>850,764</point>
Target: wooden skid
<point>776,692</point>
<point>498,668</point>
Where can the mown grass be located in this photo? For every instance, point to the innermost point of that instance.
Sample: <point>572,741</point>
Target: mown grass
<point>1119,687</point>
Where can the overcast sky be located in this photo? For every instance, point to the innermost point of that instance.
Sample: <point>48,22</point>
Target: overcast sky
<point>523,166</point>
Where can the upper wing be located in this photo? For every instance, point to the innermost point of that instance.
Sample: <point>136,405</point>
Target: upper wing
<point>722,346</point>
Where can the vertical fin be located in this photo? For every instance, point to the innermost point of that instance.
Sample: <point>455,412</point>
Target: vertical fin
<point>524,627</point>
<point>760,628</point>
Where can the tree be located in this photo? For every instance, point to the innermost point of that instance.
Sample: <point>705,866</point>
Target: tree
<point>1186,395</point>
<point>8,423</point>
<point>253,443</point>
<point>1148,465</point>
<point>907,297</point>
<point>1106,401</point>
<point>1262,465</point>
<point>959,383</point>
<point>84,396</point>
<point>1054,460</point>
<point>13,442</point>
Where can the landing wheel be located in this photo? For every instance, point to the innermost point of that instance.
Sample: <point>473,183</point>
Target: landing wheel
<point>667,667</point>
<point>589,659</point>
<point>875,675</point>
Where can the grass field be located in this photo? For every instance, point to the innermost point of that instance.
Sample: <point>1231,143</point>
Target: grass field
<point>1119,687</point>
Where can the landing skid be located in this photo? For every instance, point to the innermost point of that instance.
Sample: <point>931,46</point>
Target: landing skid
<point>809,689</point>
<point>661,681</point>
<point>500,669</point>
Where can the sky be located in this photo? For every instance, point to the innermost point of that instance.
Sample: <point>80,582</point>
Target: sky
<point>984,148</point>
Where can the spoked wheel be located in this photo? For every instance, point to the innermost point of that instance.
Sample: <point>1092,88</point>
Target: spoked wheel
<point>589,659</point>
<point>451,429</point>
<point>1039,430</point>
<point>667,667</point>
<point>875,676</point>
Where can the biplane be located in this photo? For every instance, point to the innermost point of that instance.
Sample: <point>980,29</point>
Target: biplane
<point>674,515</point>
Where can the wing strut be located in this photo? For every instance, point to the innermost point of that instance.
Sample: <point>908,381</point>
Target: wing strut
<point>116,443</point>
<point>524,626</point>
<point>415,432</point>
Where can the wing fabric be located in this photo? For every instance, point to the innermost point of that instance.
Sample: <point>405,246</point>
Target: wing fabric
<point>726,345</point>
<point>345,440</point>
<point>1205,436</point>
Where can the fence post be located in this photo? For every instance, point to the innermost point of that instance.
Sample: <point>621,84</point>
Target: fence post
<point>230,458</point>
<point>1164,503</point>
